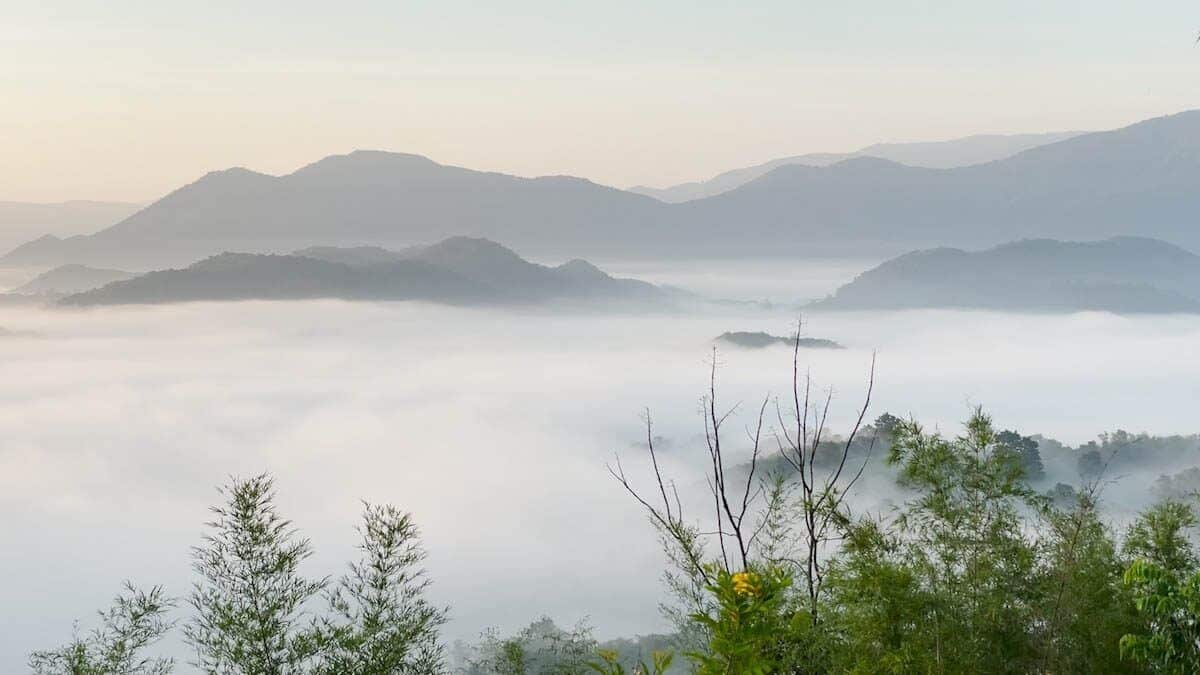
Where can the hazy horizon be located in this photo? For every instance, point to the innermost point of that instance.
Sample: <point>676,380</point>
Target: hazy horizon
<point>126,101</point>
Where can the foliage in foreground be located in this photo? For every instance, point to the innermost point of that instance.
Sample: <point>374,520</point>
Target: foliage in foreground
<point>974,571</point>
<point>135,621</point>
<point>253,609</point>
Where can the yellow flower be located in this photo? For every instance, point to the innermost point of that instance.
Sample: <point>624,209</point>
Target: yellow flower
<point>745,583</point>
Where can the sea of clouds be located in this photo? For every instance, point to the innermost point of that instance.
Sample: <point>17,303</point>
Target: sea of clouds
<point>493,427</point>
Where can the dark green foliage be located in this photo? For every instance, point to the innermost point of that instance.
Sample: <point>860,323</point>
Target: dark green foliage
<point>880,606</point>
<point>751,626</point>
<point>1171,606</point>
<point>1084,609</point>
<point>1165,582</point>
<point>1026,450</point>
<point>964,542</point>
<point>135,621</point>
<point>887,423</point>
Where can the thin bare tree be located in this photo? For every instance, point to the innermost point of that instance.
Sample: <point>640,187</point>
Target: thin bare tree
<point>745,509</point>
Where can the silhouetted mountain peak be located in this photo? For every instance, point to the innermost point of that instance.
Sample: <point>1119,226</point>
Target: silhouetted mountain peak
<point>581,269</point>
<point>365,162</point>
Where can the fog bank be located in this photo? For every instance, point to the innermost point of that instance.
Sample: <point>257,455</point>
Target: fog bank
<point>493,428</point>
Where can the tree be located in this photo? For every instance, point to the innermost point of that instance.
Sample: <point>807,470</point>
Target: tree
<point>1026,450</point>
<point>1159,536</point>
<point>1166,589</point>
<point>787,524</point>
<point>135,621</point>
<point>382,623</point>
<point>963,539</point>
<point>541,648</point>
<point>1090,465</point>
<point>1085,609</point>
<point>250,602</point>
<point>1171,607</point>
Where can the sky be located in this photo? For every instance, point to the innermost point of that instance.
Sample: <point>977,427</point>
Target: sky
<point>128,99</point>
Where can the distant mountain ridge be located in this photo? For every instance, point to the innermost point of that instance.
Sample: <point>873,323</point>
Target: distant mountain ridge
<point>385,199</point>
<point>1138,180</point>
<point>1124,275</point>
<point>70,279</point>
<point>22,221</point>
<point>459,270</point>
<point>949,154</point>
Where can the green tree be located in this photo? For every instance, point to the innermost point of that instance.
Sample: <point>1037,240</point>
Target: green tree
<point>883,608</point>
<point>1171,607</point>
<point>964,539</point>
<point>1027,452</point>
<point>250,602</point>
<point>381,623</point>
<point>1085,608</point>
<point>751,627</point>
<point>1160,536</point>
<point>135,621</point>
<point>1166,589</point>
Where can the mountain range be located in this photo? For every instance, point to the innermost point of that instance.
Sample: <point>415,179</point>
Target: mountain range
<point>459,270</point>
<point>929,154</point>
<point>1138,180</point>
<point>1124,275</point>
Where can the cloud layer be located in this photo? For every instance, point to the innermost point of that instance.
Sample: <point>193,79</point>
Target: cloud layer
<point>493,428</point>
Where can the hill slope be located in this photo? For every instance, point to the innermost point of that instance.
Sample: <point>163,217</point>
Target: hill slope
<point>1122,275</point>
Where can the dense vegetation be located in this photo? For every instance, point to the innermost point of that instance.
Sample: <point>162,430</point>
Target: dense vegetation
<point>986,564</point>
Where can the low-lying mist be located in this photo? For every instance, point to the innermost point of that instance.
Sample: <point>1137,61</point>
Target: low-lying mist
<point>492,427</point>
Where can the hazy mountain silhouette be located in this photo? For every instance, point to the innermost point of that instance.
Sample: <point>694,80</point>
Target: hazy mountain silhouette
<point>460,270</point>
<point>1137,180</point>
<point>372,197</point>
<point>1122,275</point>
<point>931,155</point>
<point>71,279</point>
<point>22,221</point>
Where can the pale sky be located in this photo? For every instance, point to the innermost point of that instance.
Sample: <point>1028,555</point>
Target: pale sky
<point>128,99</point>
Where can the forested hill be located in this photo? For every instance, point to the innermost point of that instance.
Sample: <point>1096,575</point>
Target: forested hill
<point>459,270</point>
<point>1121,275</point>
